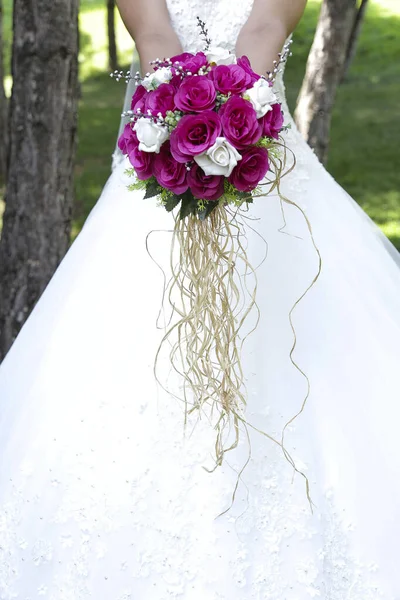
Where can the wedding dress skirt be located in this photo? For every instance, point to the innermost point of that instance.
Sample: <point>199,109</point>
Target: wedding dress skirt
<point>102,495</point>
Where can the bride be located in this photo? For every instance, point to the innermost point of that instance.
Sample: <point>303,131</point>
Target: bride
<point>103,493</point>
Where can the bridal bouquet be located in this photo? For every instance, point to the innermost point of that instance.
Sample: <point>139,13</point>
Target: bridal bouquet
<point>204,137</point>
<point>202,130</point>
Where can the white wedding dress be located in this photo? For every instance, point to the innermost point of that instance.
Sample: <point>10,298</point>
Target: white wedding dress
<point>101,494</point>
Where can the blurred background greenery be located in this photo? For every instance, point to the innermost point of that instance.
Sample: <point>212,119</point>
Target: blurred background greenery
<point>365,137</point>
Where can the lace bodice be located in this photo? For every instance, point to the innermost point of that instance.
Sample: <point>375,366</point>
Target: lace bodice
<point>224,20</point>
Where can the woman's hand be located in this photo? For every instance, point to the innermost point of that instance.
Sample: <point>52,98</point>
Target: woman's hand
<point>149,24</point>
<point>264,34</point>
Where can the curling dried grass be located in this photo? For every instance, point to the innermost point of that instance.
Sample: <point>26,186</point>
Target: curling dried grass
<point>210,295</point>
<point>211,314</point>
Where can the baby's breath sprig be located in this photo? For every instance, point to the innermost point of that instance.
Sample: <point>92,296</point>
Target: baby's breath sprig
<point>204,32</point>
<point>161,62</point>
<point>170,120</point>
<point>167,62</point>
<point>127,76</point>
<point>283,56</point>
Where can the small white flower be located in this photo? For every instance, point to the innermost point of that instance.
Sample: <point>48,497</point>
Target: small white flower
<point>220,56</point>
<point>262,97</point>
<point>152,81</point>
<point>150,135</point>
<point>219,159</point>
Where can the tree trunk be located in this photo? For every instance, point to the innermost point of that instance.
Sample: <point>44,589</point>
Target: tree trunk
<point>43,122</point>
<point>323,73</point>
<point>3,109</point>
<point>355,34</point>
<point>112,43</point>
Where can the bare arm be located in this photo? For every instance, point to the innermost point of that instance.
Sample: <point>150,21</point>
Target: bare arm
<point>269,24</point>
<point>149,24</point>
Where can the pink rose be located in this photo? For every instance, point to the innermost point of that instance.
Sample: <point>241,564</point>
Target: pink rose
<point>251,169</point>
<point>141,161</point>
<point>272,121</point>
<point>127,139</point>
<point>161,99</point>
<point>170,174</point>
<point>191,62</point>
<point>139,98</point>
<point>230,78</point>
<point>205,187</point>
<point>239,122</point>
<point>196,93</point>
<point>244,62</point>
<point>194,134</point>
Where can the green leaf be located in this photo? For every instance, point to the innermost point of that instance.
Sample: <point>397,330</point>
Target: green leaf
<point>203,214</point>
<point>152,189</point>
<point>189,204</point>
<point>171,202</point>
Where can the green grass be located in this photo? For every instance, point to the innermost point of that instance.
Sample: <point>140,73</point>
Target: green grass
<point>365,128</point>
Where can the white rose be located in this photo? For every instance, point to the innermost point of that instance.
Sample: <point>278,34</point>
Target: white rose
<point>219,159</point>
<point>152,81</point>
<point>220,56</point>
<point>261,96</point>
<point>150,135</point>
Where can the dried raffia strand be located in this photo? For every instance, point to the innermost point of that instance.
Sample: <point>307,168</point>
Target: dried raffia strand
<point>208,276</point>
<point>283,199</point>
<point>206,352</point>
<point>279,166</point>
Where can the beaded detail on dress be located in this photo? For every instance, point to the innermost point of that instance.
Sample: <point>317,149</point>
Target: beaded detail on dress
<point>85,519</point>
<point>276,549</point>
